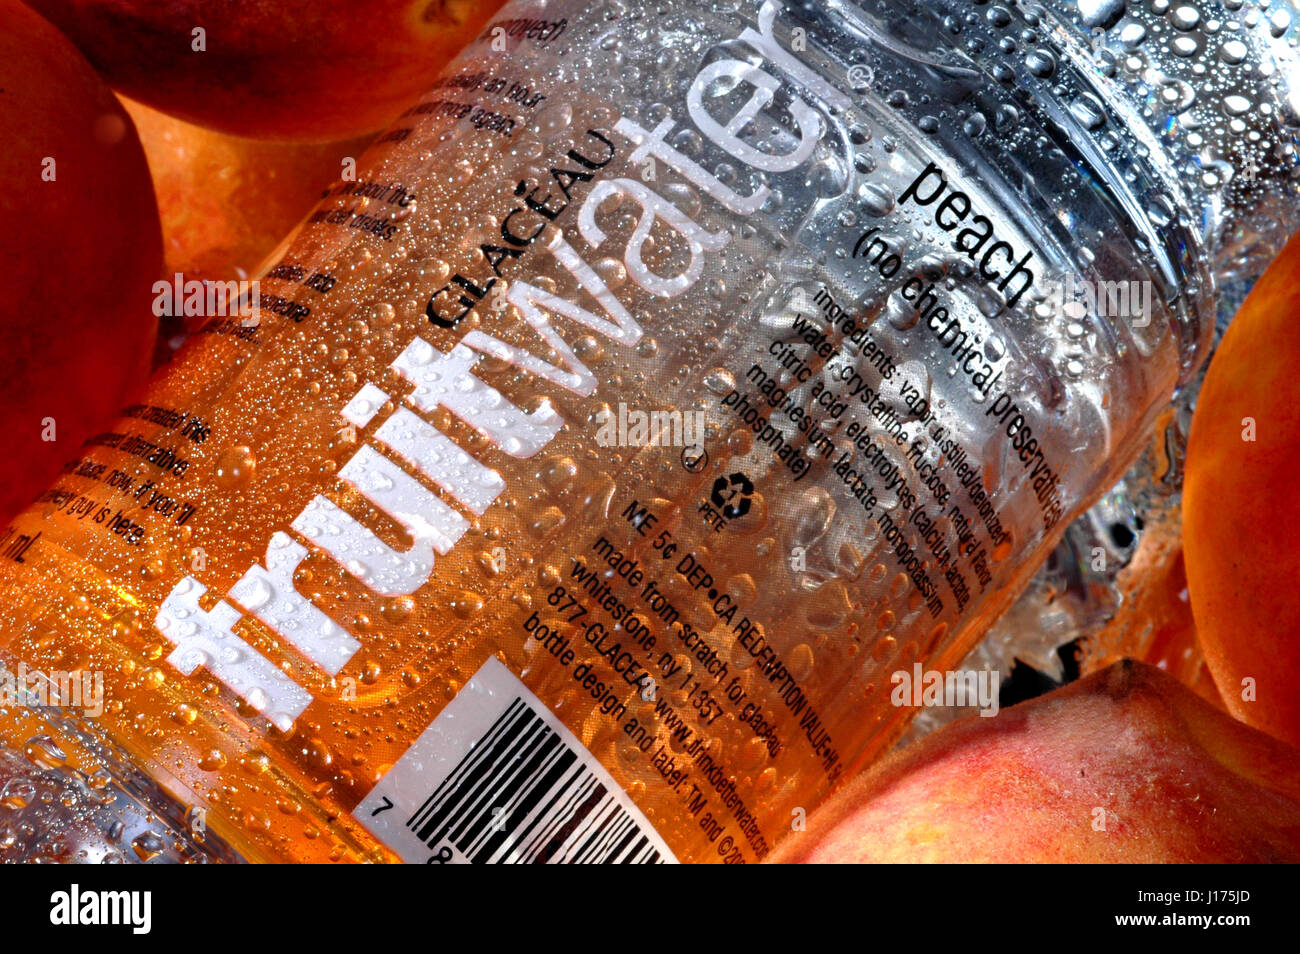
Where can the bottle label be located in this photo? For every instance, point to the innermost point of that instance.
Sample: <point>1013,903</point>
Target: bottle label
<point>497,778</point>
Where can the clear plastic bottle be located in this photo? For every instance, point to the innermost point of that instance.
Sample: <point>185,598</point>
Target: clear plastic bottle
<point>662,383</point>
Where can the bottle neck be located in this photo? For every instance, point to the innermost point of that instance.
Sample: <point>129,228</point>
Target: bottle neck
<point>1211,90</point>
<point>1154,135</point>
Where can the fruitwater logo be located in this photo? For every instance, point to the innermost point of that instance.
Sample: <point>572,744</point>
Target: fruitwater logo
<point>582,177</point>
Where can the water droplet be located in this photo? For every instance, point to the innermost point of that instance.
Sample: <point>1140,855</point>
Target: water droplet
<point>214,760</point>
<point>801,661</point>
<point>555,120</point>
<point>719,381</point>
<point>1233,52</point>
<point>612,271</point>
<point>1161,212</point>
<point>1088,111</point>
<point>1177,96</point>
<point>826,179</point>
<point>397,609</point>
<point>558,474</point>
<point>999,16</point>
<point>546,522</point>
<point>1236,105</point>
<point>975,124</point>
<point>17,794</point>
<point>876,200</point>
<point>235,467</point>
<point>901,315</point>
<point>1041,63</point>
<point>44,752</point>
<point>811,518</point>
<point>257,593</point>
<point>1132,34</point>
<point>1100,13</point>
<point>148,846</point>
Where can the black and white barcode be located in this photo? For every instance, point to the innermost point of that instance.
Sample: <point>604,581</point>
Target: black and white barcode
<point>522,795</point>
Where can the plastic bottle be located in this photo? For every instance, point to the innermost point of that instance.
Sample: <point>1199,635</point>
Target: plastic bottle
<point>658,394</point>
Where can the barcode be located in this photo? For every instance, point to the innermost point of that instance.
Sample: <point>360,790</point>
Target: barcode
<point>523,796</point>
<point>498,779</point>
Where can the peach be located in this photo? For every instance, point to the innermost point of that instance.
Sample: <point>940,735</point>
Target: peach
<point>1241,511</point>
<point>324,70</point>
<point>1126,765</point>
<point>227,202</point>
<point>81,249</point>
<point>1153,622</point>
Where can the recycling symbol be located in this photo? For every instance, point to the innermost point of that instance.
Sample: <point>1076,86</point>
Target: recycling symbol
<point>726,490</point>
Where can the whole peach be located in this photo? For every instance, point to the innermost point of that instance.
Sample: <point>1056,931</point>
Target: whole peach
<point>1241,512</point>
<point>81,249</point>
<point>1127,765</point>
<point>275,69</point>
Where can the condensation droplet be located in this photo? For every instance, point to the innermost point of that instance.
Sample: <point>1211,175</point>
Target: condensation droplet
<point>1102,14</point>
<point>876,200</point>
<point>235,467</point>
<point>1186,18</point>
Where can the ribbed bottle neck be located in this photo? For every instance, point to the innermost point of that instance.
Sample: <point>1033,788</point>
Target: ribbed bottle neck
<point>1213,87</point>
<point>1182,118</point>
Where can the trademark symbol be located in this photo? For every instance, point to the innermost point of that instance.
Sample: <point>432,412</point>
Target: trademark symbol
<point>695,459</point>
